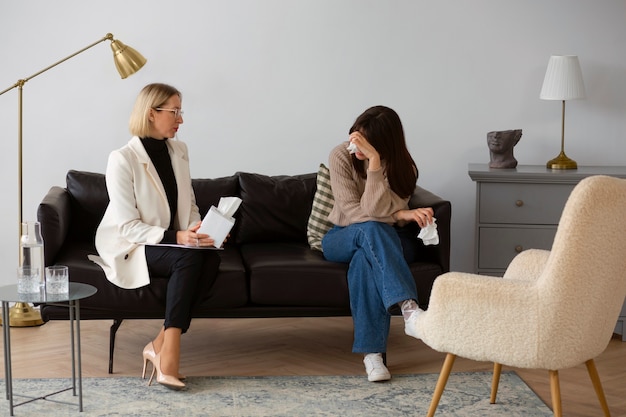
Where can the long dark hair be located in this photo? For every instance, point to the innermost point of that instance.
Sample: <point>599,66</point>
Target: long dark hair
<point>382,128</point>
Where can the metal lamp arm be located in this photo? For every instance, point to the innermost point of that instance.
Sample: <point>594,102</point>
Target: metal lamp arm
<point>20,83</point>
<point>127,60</point>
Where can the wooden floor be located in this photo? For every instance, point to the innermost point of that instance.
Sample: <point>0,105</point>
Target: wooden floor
<point>293,346</point>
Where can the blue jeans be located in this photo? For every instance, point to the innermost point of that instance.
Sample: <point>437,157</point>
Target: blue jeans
<point>378,278</point>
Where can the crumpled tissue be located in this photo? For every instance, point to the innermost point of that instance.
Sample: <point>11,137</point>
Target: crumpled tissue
<point>352,148</point>
<point>429,233</point>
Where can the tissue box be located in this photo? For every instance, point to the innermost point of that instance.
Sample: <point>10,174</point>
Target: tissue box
<point>216,225</point>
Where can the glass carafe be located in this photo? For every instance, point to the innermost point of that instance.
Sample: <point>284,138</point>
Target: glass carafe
<point>31,249</point>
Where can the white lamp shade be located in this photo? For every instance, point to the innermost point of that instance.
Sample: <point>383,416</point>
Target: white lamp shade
<point>563,80</point>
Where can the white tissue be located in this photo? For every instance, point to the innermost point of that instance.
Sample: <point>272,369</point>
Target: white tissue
<point>228,205</point>
<point>429,233</point>
<point>352,148</point>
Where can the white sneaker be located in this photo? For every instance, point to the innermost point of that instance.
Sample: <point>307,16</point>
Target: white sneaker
<point>375,368</point>
<point>410,327</point>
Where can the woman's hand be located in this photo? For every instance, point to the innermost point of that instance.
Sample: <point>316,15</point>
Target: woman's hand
<point>366,150</point>
<point>190,237</point>
<point>423,216</point>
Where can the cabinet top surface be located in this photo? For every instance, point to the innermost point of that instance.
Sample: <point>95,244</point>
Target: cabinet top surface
<point>539,173</point>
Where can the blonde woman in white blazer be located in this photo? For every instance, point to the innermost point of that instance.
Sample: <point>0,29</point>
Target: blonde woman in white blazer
<point>151,201</point>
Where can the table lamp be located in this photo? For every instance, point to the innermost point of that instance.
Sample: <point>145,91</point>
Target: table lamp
<point>127,61</point>
<point>563,81</point>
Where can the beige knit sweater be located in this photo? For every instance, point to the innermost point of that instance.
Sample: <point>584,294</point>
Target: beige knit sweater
<point>356,199</point>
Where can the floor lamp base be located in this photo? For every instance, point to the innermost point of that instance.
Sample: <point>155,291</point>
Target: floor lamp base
<point>24,315</point>
<point>561,162</point>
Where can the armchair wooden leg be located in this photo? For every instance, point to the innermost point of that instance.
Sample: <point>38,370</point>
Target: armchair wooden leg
<point>555,390</point>
<point>441,383</point>
<point>597,385</point>
<point>495,381</point>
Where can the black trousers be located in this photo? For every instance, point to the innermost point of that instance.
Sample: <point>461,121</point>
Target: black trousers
<point>190,274</point>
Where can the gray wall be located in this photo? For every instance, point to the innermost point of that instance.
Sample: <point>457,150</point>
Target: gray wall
<point>271,86</point>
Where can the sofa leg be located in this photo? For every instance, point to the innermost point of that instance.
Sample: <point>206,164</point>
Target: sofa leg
<point>116,325</point>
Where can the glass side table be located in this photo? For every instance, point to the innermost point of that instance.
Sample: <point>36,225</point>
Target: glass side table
<point>77,292</point>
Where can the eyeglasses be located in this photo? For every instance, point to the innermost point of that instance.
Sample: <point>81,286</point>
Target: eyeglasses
<point>177,112</point>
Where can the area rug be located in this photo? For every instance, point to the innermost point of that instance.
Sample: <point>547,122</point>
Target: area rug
<point>466,394</point>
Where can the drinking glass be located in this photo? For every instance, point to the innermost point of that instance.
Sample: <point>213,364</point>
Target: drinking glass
<point>28,280</point>
<point>57,279</point>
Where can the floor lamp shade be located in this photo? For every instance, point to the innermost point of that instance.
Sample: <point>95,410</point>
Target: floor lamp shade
<point>563,81</point>
<point>127,61</point>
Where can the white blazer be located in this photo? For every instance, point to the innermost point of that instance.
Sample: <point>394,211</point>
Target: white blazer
<point>138,212</point>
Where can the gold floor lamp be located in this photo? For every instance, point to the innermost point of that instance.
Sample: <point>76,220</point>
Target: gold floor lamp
<point>127,61</point>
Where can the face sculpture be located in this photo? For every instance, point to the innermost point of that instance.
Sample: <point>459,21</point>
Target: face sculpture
<point>500,144</point>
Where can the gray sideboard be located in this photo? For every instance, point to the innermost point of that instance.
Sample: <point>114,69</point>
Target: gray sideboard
<point>519,208</point>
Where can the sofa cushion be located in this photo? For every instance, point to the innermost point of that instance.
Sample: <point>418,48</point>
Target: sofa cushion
<point>230,289</point>
<point>323,202</point>
<point>291,274</point>
<point>208,192</point>
<point>89,197</point>
<point>274,209</point>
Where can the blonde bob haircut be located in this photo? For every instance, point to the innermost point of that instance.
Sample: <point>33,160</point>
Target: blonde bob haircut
<point>150,97</point>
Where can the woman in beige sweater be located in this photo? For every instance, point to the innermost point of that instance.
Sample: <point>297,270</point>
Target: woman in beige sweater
<point>372,178</point>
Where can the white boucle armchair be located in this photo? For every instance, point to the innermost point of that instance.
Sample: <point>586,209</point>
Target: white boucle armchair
<point>552,309</point>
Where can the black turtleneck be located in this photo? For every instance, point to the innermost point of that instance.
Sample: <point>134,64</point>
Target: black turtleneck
<point>160,156</point>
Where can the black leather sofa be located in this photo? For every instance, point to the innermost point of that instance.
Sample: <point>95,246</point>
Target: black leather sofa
<point>267,268</point>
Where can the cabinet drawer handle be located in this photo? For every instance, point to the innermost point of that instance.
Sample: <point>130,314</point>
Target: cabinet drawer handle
<point>519,248</point>
<point>519,203</point>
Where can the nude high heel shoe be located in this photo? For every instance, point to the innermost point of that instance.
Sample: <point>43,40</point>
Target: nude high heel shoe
<point>167,380</point>
<point>148,355</point>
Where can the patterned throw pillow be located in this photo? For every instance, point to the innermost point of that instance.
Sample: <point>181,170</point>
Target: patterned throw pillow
<point>323,202</point>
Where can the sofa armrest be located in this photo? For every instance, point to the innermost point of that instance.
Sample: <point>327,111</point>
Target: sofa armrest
<point>54,214</point>
<point>443,212</point>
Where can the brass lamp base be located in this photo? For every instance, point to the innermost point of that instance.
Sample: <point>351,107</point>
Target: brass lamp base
<point>561,162</point>
<point>23,315</point>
